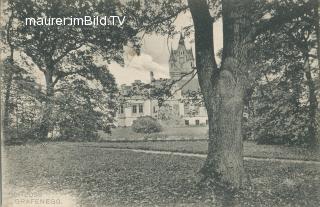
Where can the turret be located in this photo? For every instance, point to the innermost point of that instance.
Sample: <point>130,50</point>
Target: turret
<point>181,59</point>
<point>181,40</point>
<point>151,76</point>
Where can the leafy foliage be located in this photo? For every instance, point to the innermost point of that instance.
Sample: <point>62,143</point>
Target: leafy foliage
<point>23,103</point>
<point>64,55</point>
<point>146,125</point>
<point>169,115</point>
<point>83,108</point>
<point>284,103</point>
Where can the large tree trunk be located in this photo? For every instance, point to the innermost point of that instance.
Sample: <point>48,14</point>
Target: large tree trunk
<point>8,81</point>
<point>225,160</point>
<point>46,119</point>
<point>223,89</point>
<point>6,117</point>
<point>313,106</point>
<point>317,27</point>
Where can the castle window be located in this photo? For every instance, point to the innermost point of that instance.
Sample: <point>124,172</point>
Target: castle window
<point>140,108</point>
<point>134,109</point>
<point>154,109</point>
<point>197,122</point>
<point>121,109</point>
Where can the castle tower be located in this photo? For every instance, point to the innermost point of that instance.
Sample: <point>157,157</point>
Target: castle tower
<point>181,60</point>
<point>152,79</point>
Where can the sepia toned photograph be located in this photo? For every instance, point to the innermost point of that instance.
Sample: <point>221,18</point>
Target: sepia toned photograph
<point>160,103</point>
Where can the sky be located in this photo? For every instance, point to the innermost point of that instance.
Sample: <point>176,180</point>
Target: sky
<point>155,54</point>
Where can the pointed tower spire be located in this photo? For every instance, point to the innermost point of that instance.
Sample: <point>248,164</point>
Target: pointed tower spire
<point>181,40</point>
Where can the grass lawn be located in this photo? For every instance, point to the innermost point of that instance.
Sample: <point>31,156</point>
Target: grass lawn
<point>95,176</point>
<point>251,149</point>
<point>195,146</point>
<point>122,133</point>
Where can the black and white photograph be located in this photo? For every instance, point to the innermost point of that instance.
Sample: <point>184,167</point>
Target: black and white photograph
<point>160,103</point>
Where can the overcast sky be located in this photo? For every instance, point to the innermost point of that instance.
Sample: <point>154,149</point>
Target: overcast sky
<point>155,54</point>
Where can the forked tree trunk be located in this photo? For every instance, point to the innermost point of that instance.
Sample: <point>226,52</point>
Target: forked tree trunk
<point>225,160</point>
<point>223,89</point>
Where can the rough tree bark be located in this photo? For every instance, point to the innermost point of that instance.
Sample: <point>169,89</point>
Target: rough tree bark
<point>223,88</point>
<point>6,115</point>
<point>45,124</point>
<point>317,27</point>
<point>8,82</point>
<point>313,105</point>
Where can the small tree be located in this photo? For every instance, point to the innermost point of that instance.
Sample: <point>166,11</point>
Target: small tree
<point>83,106</point>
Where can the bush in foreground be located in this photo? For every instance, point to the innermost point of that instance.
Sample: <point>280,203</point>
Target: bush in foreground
<point>146,125</point>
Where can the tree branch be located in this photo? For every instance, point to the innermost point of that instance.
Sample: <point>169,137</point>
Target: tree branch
<point>67,52</point>
<point>158,20</point>
<point>62,74</point>
<point>204,45</point>
<point>188,81</point>
<point>181,77</point>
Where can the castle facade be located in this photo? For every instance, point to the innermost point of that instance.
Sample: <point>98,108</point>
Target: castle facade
<point>135,99</point>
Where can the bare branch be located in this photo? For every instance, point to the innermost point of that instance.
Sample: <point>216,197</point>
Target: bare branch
<point>188,81</point>
<point>181,77</point>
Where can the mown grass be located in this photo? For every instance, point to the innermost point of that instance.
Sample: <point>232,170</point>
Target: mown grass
<point>103,177</point>
<point>199,132</point>
<point>193,140</point>
<point>251,149</point>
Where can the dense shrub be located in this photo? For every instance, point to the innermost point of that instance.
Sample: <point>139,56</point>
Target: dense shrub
<point>82,110</point>
<point>146,125</point>
<point>278,120</point>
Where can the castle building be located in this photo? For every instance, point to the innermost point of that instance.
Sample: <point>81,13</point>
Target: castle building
<point>135,99</point>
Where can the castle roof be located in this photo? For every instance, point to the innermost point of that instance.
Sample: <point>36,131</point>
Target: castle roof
<point>175,53</point>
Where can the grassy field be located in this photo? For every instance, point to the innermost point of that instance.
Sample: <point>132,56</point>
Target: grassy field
<point>167,133</point>
<point>94,176</point>
<point>178,140</point>
<point>251,149</point>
